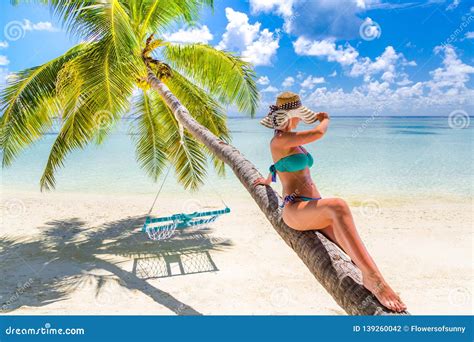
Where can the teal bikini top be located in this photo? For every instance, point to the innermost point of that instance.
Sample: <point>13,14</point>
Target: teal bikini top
<point>292,163</point>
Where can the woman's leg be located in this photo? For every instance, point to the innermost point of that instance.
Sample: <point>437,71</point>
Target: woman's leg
<point>334,218</point>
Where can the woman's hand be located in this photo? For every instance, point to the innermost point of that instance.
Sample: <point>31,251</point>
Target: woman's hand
<point>261,181</point>
<point>322,115</point>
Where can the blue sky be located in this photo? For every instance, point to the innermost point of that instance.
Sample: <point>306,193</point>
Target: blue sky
<point>347,57</point>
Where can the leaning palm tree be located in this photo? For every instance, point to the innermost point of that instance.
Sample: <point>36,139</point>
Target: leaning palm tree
<point>179,109</point>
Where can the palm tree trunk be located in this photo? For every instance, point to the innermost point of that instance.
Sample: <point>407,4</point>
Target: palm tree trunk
<point>331,267</point>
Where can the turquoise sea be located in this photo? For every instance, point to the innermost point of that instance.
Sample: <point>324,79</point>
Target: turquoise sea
<point>386,157</point>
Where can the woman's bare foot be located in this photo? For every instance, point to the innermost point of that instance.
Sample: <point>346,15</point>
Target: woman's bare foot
<point>384,293</point>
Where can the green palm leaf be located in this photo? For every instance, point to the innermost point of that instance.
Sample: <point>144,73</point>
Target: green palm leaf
<point>76,132</point>
<point>186,156</point>
<point>91,104</point>
<point>150,16</point>
<point>227,77</point>
<point>109,82</point>
<point>203,108</point>
<point>23,102</point>
<point>148,134</point>
<point>90,87</point>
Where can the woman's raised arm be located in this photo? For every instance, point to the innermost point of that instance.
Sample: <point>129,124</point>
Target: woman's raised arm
<point>291,139</point>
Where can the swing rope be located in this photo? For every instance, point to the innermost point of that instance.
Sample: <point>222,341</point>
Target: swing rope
<point>163,183</point>
<point>159,191</point>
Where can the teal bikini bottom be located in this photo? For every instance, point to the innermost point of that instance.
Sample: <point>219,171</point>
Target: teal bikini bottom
<point>296,198</point>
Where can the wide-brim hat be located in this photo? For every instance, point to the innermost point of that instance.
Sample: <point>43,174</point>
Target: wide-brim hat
<point>288,105</point>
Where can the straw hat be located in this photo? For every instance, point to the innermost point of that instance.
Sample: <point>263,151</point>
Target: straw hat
<point>288,105</point>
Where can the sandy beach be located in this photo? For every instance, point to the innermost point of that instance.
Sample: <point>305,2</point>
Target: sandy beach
<point>65,253</point>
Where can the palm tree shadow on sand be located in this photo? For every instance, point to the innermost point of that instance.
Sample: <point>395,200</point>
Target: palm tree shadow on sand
<point>66,254</point>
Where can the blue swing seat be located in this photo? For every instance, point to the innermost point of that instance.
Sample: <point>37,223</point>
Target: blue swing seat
<point>178,221</point>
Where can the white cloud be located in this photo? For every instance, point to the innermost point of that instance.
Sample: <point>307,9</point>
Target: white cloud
<point>261,51</point>
<point>270,89</point>
<point>356,66</point>
<point>311,81</point>
<point>281,7</point>
<point>318,19</point>
<point>4,60</point>
<point>386,64</point>
<point>315,18</point>
<point>3,45</point>
<point>452,76</point>
<point>446,91</point>
<point>379,4</point>
<point>404,81</point>
<point>470,35</point>
<point>344,55</point>
<point>39,26</point>
<point>333,74</point>
<point>3,76</point>
<point>257,47</point>
<point>239,33</point>
<point>263,80</point>
<point>190,35</point>
<point>288,82</point>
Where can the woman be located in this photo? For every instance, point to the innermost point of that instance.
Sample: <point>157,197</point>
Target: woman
<point>303,207</point>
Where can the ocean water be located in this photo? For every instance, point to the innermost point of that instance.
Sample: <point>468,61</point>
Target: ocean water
<point>389,157</point>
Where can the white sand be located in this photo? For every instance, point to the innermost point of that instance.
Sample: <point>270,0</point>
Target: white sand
<point>75,254</point>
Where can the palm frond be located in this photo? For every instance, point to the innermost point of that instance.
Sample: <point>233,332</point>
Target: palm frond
<point>150,16</point>
<point>76,132</point>
<point>94,20</point>
<point>227,77</point>
<point>148,134</point>
<point>23,104</point>
<point>93,90</point>
<point>109,82</point>
<point>205,109</point>
<point>187,158</point>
